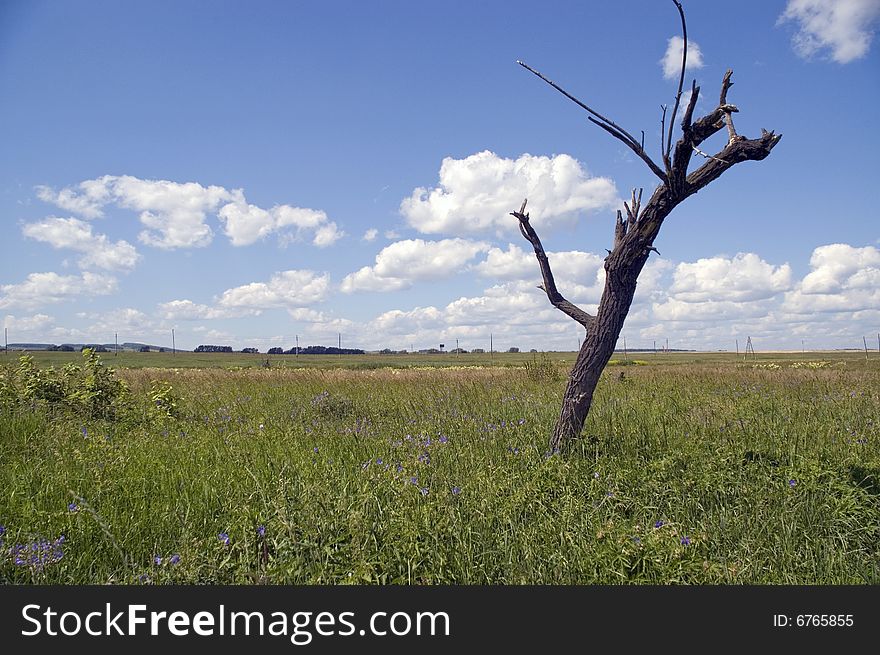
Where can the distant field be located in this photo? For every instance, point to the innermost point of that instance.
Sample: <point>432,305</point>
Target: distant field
<point>185,359</point>
<point>696,468</point>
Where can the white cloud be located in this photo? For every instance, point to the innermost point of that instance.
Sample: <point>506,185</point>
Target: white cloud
<point>87,201</point>
<point>131,322</point>
<point>287,289</point>
<point>327,235</point>
<point>743,278</point>
<point>45,288</point>
<point>245,223</point>
<point>175,213</point>
<point>843,279</point>
<point>400,264</point>
<point>671,61</point>
<point>187,310</point>
<point>26,324</point>
<point>477,194</point>
<point>370,235</point>
<point>844,27</point>
<point>77,235</point>
<point>579,276</point>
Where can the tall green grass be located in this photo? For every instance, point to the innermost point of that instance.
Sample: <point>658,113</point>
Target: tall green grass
<point>712,473</point>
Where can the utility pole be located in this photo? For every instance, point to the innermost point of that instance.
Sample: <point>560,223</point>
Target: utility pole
<point>116,339</point>
<point>6,340</point>
<point>624,350</point>
<point>865,341</point>
<point>491,351</point>
<point>457,351</point>
<point>173,344</point>
<point>297,346</point>
<point>339,345</point>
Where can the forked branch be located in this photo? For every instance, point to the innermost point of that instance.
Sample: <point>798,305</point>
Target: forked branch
<point>549,286</point>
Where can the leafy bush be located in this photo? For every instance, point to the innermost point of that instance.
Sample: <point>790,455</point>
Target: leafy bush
<point>90,390</point>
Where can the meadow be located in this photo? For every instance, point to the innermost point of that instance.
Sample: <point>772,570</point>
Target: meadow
<point>693,468</point>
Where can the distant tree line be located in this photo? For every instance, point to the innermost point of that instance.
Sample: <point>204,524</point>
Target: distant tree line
<point>213,349</point>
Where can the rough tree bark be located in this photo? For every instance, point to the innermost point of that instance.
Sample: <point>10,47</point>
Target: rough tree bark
<point>634,235</point>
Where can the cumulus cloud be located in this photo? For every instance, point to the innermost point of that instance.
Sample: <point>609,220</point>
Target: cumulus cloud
<point>86,199</point>
<point>742,278</point>
<point>26,324</point>
<point>370,235</point>
<point>843,278</point>
<point>404,262</point>
<point>842,27</point>
<point>476,194</point>
<point>45,288</point>
<point>187,310</point>
<point>287,289</point>
<point>72,233</point>
<point>174,213</point>
<point>671,61</point>
<point>245,223</point>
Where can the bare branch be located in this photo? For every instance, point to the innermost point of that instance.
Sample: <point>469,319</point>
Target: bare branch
<point>640,152</point>
<point>684,52</point>
<point>605,123</point>
<point>722,102</point>
<point>689,110</point>
<point>549,286</point>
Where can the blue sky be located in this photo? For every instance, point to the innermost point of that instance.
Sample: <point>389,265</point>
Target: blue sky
<point>248,172</point>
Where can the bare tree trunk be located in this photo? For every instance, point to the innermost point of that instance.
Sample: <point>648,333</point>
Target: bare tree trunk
<point>596,350</point>
<point>634,236</point>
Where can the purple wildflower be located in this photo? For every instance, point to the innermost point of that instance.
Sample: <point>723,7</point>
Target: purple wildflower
<point>791,483</point>
<point>157,560</point>
<point>224,537</point>
<point>658,524</point>
<point>685,541</point>
<point>456,491</point>
<point>174,559</point>
<point>261,531</point>
<point>73,507</point>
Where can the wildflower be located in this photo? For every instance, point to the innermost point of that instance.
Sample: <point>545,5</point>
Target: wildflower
<point>658,524</point>
<point>791,483</point>
<point>521,421</point>
<point>2,530</point>
<point>73,507</point>
<point>685,541</point>
<point>443,438</point>
<point>37,554</point>
<point>424,491</point>
<point>636,540</point>
<point>262,426</point>
<point>596,475</point>
<point>399,467</point>
<point>315,449</point>
<point>224,537</point>
<point>157,560</point>
<point>379,461</point>
<point>143,578</point>
<point>174,559</point>
<point>456,491</point>
<point>414,480</point>
<point>85,432</point>
<point>261,531</point>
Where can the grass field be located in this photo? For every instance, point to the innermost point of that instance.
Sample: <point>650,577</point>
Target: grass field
<point>693,468</point>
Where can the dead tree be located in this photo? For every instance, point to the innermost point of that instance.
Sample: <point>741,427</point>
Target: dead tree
<point>634,235</point>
